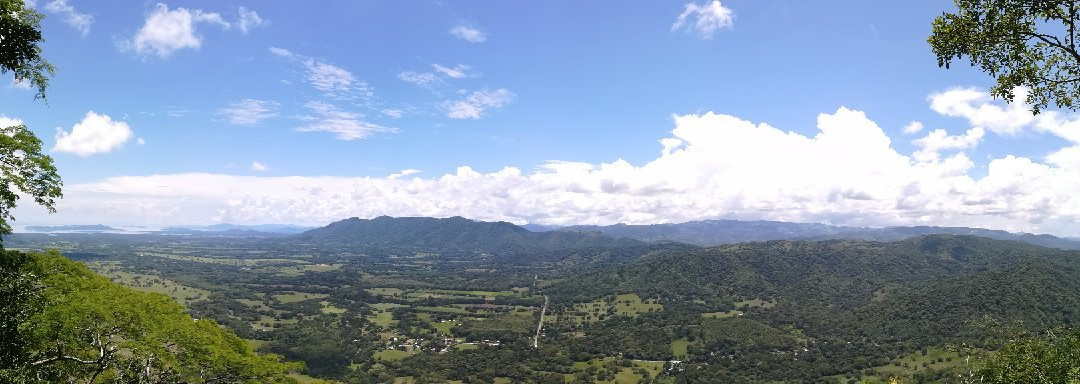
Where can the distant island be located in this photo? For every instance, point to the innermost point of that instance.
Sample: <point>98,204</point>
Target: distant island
<point>71,228</point>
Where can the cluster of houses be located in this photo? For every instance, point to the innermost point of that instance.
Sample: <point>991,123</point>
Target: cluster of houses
<point>441,345</point>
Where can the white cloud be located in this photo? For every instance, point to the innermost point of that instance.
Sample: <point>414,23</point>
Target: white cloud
<point>343,124</point>
<point>72,17</point>
<point>468,33</point>
<point>258,167</point>
<point>9,122</point>
<point>249,111</point>
<point>167,31</point>
<point>978,108</point>
<point>426,79</point>
<point>913,128</point>
<point>329,78</point>
<point>96,133</point>
<point>403,173</point>
<point>23,84</point>
<point>457,72</point>
<point>140,141</point>
<point>706,19</point>
<point>982,110</point>
<point>280,51</point>
<point>393,113</point>
<point>249,20</point>
<point>333,81</point>
<point>938,140</point>
<point>710,166</point>
<point>474,105</point>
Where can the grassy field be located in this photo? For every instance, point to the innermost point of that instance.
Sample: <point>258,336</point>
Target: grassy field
<point>245,262</point>
<point>625,375</point>
<point>935,358</point>
<point>678,348</point>
<point>150,283</point>
<point>756,303</point>
<point>392,355</point>
<point>624,305</point>
<point>298,270</point>
<point>330,308</point>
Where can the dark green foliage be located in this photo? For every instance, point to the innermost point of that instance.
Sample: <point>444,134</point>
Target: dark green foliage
<point>20,35</point>
<point>1019,43</point>
<point>455,233</point>
<point>20,299</point>
<point>1050,358</point>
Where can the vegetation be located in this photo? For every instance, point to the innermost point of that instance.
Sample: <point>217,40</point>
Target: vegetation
<point>23,168</point>
<point>1020,43</point>
<point>84,328</point>
<point>916,310</point>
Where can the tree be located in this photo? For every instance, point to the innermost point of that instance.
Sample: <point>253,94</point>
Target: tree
<point>23,168</point>
<point>1021,43</point>
<point>1050,358</point>
<point>95,331</point>
<point>20,34</point>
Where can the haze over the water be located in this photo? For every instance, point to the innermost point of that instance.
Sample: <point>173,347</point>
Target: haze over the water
<point>547,113</point>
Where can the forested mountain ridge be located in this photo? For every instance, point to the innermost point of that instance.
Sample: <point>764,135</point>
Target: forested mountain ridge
<point>804,268</point>
<point>716,232</point>
<point>856,304</point>
<point>454,233</point>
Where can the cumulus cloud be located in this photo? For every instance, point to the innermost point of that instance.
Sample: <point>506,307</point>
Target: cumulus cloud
<point>167,31</point>
<point>982,110</point>
<point>344,125</point>
<point>95,134</point>
<point>249,111</point>
<point>9,122</point>
<point>476,103</point>
<point>710,166</point>
<point>705,19</point>
<point>468,33</point>
<point>913,128</point>
<point>70,16</point>
<point>938,140</point>
<point>457,72</point>
<point>258,167</point>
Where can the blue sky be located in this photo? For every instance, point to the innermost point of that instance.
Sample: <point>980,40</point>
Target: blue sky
<point>553,112</point>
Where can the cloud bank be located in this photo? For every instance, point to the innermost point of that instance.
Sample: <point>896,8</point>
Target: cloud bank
<point>710,166</point>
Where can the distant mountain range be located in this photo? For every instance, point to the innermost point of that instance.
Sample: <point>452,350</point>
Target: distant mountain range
<point>465,234</point>
<point>455,233</point>
<point>715,232</point>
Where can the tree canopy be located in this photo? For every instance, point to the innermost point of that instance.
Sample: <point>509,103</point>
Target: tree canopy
<point>23,168</point>
<point>88,329</point>
<point>1021,43</point>
<point>20,34</point>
